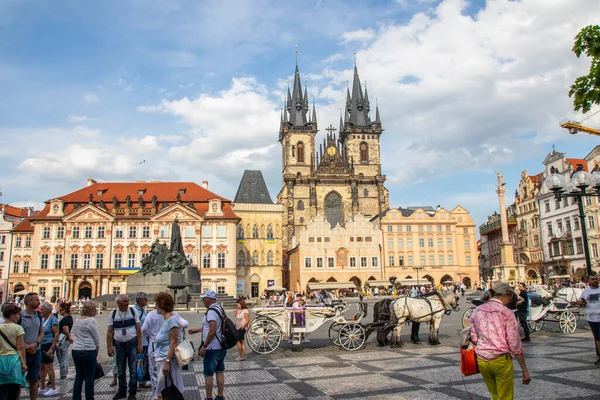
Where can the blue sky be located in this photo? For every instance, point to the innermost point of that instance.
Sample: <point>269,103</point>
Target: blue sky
<point>91,89</point>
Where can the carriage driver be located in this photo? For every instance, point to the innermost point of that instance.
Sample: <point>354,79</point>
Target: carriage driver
<point>590,298</point>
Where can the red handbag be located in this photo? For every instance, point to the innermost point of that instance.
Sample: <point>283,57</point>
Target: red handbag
<point>468,360</point>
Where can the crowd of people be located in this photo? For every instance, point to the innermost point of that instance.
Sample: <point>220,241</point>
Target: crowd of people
<point>136,338</point>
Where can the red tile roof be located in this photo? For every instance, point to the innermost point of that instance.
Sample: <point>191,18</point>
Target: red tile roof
<point>539,178</point>
<point>24,226</point>
<point>14,211</point>
<point>164,192</point>
<point>575,161</point>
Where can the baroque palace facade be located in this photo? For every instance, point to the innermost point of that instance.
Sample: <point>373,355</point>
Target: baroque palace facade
<point>85,243</point>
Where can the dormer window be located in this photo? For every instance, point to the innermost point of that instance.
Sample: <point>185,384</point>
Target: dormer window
<point>141,191</point>
<point>181,191</point>
<point>101,192</point>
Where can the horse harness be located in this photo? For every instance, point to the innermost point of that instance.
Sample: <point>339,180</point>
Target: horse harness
<point>445,308</point>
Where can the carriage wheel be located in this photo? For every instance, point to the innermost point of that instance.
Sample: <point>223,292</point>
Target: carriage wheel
<point>263,336</point>
<point>567,322</point>
<point>536,325</point>
<point>334,333</point>
<point>352,336</point>
<point>466,316</point>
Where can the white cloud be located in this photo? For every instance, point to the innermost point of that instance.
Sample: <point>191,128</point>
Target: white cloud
<point>361,35</point>
<point>456,92</point>
<point>91,97</point>
<point>78,118</point>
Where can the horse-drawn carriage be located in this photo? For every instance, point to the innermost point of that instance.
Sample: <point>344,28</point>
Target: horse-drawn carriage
<point>273,324</point>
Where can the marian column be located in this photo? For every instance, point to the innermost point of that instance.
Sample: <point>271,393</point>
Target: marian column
<point>507,270</point>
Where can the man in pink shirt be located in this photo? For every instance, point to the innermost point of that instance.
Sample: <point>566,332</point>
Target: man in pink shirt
<point>495,333</point>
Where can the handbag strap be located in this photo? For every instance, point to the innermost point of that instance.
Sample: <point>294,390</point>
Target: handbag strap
<point>8,341</point>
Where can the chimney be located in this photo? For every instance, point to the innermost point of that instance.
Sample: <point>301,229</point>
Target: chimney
<point>29,211</point>
<point>205,184</point>
<point>90,182</point>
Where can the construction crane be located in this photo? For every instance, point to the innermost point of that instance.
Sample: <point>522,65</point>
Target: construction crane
<point>576,126</point>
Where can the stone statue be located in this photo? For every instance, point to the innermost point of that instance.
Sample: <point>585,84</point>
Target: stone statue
<point>160,259</point>
<point>179,197</point>
<point>91,198</point>
<point>115,202</point>
<point>102,205</point>
<point>141,201</point>
<point>128,201</point>
<point>154,201</point>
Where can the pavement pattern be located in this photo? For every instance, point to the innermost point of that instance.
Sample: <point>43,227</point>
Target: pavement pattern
<point>561,366</point>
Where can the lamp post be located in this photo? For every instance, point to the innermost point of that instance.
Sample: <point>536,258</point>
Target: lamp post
<point>577,187</point>
<point>418,269</point>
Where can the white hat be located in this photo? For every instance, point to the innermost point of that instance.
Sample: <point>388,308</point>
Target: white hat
<point>211,294</point>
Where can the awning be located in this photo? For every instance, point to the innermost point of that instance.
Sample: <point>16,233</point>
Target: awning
<point>412,282</point>
<point>378,283</point>
<point>275,288</point>
<point>331,285</point>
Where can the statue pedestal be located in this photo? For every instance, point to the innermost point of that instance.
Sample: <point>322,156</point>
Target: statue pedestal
<point>153,284</point>
<point>192,276</point>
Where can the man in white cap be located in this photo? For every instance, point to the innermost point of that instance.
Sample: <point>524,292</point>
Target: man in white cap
<point>211,349</point>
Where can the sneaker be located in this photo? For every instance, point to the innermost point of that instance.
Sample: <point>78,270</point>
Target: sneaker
<point>525,339</point>
<point>597,362</point>
<point>119,396</point>
<point>41,390</point>
<point>51,392</point>
<point>220,398</point>
<point>238,358</point>
<point>131,396</point>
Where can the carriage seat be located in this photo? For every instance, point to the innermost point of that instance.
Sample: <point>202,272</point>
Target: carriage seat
<point>539,301</point>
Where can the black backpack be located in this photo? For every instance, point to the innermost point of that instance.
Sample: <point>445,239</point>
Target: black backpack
<point>228,331</point>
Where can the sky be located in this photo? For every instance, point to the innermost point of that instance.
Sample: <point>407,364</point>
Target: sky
<point>192,90</point>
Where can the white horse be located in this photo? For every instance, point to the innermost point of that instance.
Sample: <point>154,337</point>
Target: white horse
<point>421,309</point>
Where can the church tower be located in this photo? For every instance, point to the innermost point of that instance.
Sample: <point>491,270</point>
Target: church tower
<point>341,178</point>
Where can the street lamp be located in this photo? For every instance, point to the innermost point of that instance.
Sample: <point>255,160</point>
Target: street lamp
<point>417,269</point>
<point>576,187</point>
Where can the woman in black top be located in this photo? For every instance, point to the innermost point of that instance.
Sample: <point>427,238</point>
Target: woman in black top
<point>64,340</point>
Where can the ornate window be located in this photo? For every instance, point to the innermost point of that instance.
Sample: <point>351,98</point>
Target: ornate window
<point>334,212</point>
<point>300,152</point>
<point>270,258</point>
<point>364,152</point>
<point>269,232</point>
<point>255,231</point>
<point>221,260</point>
<point>240,232</point>
<point>300,205</point>
<point>366,193</point>
<point>255,258</point>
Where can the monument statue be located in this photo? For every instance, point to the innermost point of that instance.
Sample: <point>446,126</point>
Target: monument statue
<point>160,259</point>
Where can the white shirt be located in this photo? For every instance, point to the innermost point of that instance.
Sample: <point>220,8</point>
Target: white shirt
<point>154,321</point>
<point>128,333</point>
<point>592,298</point>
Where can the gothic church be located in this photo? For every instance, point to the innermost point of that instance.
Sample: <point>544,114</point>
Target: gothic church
<point>339,179</point>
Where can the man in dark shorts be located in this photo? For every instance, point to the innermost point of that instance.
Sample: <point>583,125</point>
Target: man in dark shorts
<point>211,350</point>
<point>31,321</point>
<point>590,299</point>
<point>522,308</point>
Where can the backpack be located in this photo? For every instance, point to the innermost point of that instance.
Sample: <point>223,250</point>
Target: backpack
<point>228,331</point>
<point>114,312</point>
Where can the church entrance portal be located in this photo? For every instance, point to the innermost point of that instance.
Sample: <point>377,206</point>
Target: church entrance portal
<point>334,211</point>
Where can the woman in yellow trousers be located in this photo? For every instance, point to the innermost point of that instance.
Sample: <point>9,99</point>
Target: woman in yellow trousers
<point>495,333</point>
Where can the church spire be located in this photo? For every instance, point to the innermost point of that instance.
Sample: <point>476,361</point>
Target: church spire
<point>314,113</point>
<point>357,106</point>
<point>296,104</point>
<point>377,119</point>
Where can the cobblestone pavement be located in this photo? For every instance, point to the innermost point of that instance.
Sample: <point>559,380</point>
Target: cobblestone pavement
<point>561,367</point>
